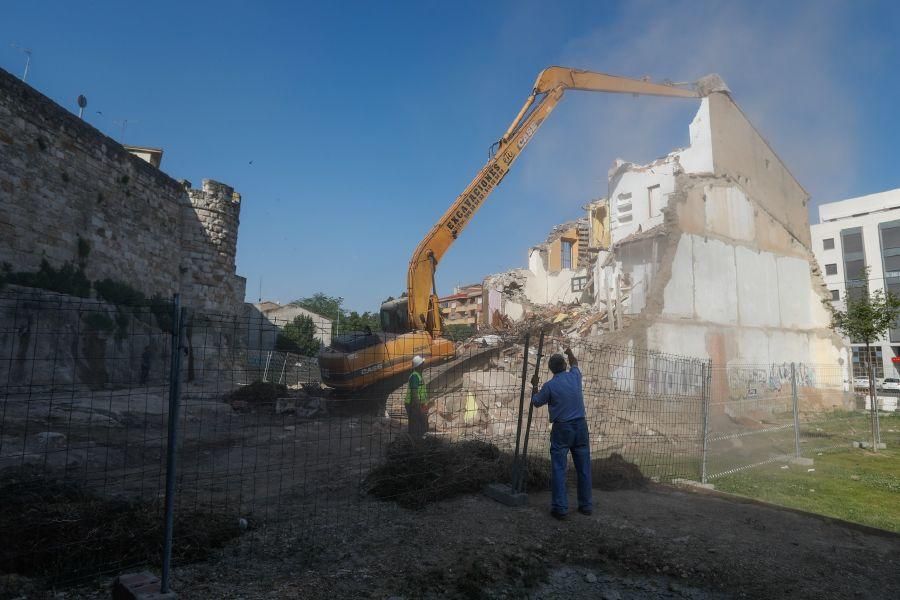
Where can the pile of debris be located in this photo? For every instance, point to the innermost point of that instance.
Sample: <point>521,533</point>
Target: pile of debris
<point>265,397</point>
<point>418,472</point>
<point>572,321</point>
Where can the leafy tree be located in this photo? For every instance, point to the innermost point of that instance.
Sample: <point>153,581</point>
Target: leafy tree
<point>298,337</point>
<point>319,303</point>
<point>459,332</point>
<point>360,322</point>
<point>867,318</point>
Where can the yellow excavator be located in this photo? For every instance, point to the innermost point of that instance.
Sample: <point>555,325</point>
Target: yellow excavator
<point>412,324</point>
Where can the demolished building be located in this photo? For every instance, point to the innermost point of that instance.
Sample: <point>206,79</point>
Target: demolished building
<point>708,253</point>
<point>558,272</point>
<point>712,245</point>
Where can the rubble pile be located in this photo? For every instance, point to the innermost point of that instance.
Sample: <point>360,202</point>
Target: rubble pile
<point>262,396</point>
<point>572,321</point>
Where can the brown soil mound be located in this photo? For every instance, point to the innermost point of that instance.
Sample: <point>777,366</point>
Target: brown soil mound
<point>257,393</point>
<point>616,473</point>
<point>59,530</point>
<point>416,472</point>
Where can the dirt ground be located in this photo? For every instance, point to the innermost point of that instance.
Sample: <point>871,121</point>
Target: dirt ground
<point>656,543</point>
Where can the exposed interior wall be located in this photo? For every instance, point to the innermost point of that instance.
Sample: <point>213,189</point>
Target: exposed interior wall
<point>62,181</point>
<point>742,154</point>
<point>719,275</point>
<point>555,250</point>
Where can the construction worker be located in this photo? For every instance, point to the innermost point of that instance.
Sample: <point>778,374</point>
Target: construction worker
<point>417,400</point>
<point>565,400</point>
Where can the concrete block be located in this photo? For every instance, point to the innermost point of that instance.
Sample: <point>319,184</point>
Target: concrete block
<point>678,296</point>
<point>802,461</point>
<point>757,278</point>
<point>715,281</point>
<point>139,586</point>
<point>503,493</point>
<point>867,445</point>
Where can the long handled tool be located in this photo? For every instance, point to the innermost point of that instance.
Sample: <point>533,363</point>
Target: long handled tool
<point>519,485</point>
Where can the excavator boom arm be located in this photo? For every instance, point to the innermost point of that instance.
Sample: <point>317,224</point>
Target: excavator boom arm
<point>551,84</point>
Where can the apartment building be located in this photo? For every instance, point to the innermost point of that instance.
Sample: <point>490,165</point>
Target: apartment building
<point>463,306</point>
<point>853,235</point>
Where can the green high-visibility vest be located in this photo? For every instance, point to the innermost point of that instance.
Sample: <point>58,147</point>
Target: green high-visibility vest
<point>416,383</point>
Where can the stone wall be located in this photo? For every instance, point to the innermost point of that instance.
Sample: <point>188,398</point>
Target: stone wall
<point>62,180</point>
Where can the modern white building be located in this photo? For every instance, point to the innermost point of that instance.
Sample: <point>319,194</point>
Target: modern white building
<point>852,235</point>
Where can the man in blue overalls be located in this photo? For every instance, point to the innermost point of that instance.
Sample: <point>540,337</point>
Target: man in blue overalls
<point>417,400</point>
<point>564,396</point>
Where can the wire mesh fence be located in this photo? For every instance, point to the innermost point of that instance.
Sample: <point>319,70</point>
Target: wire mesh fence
<point>270,441</point>
<point>761,414</point>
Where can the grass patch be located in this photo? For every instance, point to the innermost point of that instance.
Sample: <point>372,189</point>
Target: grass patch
<point>847,483</point>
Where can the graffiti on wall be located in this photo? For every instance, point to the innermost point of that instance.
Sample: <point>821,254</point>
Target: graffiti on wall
<point>665,376</point>
<point>674,377</point>
<point>753,382</point>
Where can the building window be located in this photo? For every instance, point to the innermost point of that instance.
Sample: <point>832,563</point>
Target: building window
<point>566,254</point>
<point>835,294</point>
<point>579,283</point>
<point>852,241</point>
<point>854,259</point>
<point>654,196</point>
<point>828,244</point>
<point>861,363</point>
<point>831,269</point>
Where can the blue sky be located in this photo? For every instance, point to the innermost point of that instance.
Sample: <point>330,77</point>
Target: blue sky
<point>363,121</point>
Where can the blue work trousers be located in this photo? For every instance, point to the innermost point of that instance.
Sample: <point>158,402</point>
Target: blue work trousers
<point>564,437</point>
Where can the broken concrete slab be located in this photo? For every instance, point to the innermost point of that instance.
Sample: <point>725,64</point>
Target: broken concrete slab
<point>503,493</point>
<point>140,586</point>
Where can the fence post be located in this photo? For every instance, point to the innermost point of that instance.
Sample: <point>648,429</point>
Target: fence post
<point>172,439</point>
<point>796,407</point>
<point>706,372</point>
<point>521,406</point>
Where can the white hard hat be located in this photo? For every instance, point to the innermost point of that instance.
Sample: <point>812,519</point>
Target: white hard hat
<point>417,361</point>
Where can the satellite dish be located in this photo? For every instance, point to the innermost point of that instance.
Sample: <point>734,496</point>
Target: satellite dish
<point>82,101</point>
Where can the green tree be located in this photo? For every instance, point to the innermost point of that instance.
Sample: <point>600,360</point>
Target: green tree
<point>360,322</point>
<point>459,332</point>
<point>867,318</point>
<point>319,303</point>
<point>298,337</point>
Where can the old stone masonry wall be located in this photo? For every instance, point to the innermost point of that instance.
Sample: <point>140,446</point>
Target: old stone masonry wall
<point>65,187</point>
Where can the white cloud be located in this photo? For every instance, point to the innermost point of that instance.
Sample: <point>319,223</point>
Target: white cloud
<point>782,64</point>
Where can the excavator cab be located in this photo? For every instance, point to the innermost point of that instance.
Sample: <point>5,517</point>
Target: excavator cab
<point>395,316</point>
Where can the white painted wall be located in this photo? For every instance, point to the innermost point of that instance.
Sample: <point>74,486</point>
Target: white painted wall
<point>698,157</point>
<point>629,196</point>
<point>544,287</point>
